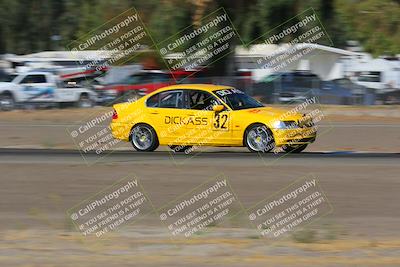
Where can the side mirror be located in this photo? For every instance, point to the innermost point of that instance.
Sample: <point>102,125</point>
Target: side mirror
<point>218,108</point>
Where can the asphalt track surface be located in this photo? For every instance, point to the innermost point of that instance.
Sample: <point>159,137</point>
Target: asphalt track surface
<point>360,185</point>
<point>10,154</point>
<point>38,186</point>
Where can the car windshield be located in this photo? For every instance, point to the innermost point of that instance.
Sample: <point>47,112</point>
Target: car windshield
<point>8,78</point>
<point>343,82</point>
<point>236,99</point>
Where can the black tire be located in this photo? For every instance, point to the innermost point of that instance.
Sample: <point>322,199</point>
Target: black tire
<point>144,138</point>
<point>180,149</point>
<point>265,139</point>
<point>7,101</point>
<point>62,105</point>
<point>294,149</point>
<point>84,101</point>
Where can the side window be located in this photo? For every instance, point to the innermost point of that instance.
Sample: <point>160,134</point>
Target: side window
<point>133,79</point>
<point>169,99</point>
<point>160,77</point>
<point>201,100</point>
<point>34,79</point>
<point>152,102</point>
<point>146,78</point>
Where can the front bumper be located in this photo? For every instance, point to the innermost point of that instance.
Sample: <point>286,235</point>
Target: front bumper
<point>104,98</point>
<point>298,136</point>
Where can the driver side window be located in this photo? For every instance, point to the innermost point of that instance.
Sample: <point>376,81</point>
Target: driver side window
<point>34,79</point>
<point>201,100</point>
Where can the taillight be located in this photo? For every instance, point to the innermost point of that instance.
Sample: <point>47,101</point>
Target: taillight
<point>115,115</point>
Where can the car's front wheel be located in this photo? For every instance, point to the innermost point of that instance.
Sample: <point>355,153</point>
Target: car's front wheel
<point>144,137</point>
<point>258,138</point>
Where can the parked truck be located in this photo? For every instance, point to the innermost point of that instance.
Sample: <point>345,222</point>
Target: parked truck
<point>42,88</point>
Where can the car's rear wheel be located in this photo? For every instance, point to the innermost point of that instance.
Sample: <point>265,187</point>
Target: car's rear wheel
<point>144,137</point>
<point>84,101</point>
<point>294,149</point>
<point>179,149</point>
<point>7,102</point>
<point>258,138</point>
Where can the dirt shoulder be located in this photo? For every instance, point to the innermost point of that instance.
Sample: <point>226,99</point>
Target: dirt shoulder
<point>73,115</point>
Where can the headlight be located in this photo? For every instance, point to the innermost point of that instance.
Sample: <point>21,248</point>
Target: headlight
<point>285,125</point>
<point>279,125</point>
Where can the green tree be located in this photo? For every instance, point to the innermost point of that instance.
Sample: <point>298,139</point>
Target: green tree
<point>375,23</point>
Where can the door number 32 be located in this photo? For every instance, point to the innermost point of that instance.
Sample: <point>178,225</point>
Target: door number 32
<point>220,121</point>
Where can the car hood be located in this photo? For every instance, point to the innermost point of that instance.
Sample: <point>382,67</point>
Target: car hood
<point>5,85</point>
<point>275,113</point>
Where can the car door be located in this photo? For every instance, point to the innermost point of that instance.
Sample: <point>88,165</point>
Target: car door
<point>35,88</point>
<point>208,127</point>
<point>166,111</point>
<point>65,92</point>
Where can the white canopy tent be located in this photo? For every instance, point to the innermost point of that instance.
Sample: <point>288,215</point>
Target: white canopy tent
<point>318,59</point>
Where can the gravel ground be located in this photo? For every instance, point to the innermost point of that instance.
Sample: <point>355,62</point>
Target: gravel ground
<point>362,229</point>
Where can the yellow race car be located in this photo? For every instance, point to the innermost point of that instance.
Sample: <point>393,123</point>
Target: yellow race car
<point>191,115</point>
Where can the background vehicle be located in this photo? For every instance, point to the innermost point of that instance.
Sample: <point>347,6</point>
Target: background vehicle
<point>386,84</point>
<point>134,86</point>
<point>344,92</point>
<point>287,87</point>
<point>42,88</point>
<point>294,87</point>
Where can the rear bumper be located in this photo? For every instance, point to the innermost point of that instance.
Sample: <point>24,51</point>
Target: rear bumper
<point>120,130</point>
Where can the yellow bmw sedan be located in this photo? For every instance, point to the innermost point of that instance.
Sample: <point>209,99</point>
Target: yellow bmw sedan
<point>186,115</point>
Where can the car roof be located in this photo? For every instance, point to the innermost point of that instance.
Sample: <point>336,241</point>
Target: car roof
<point>35,73</point>
<point>151,71</point>
<point>204,87</point>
